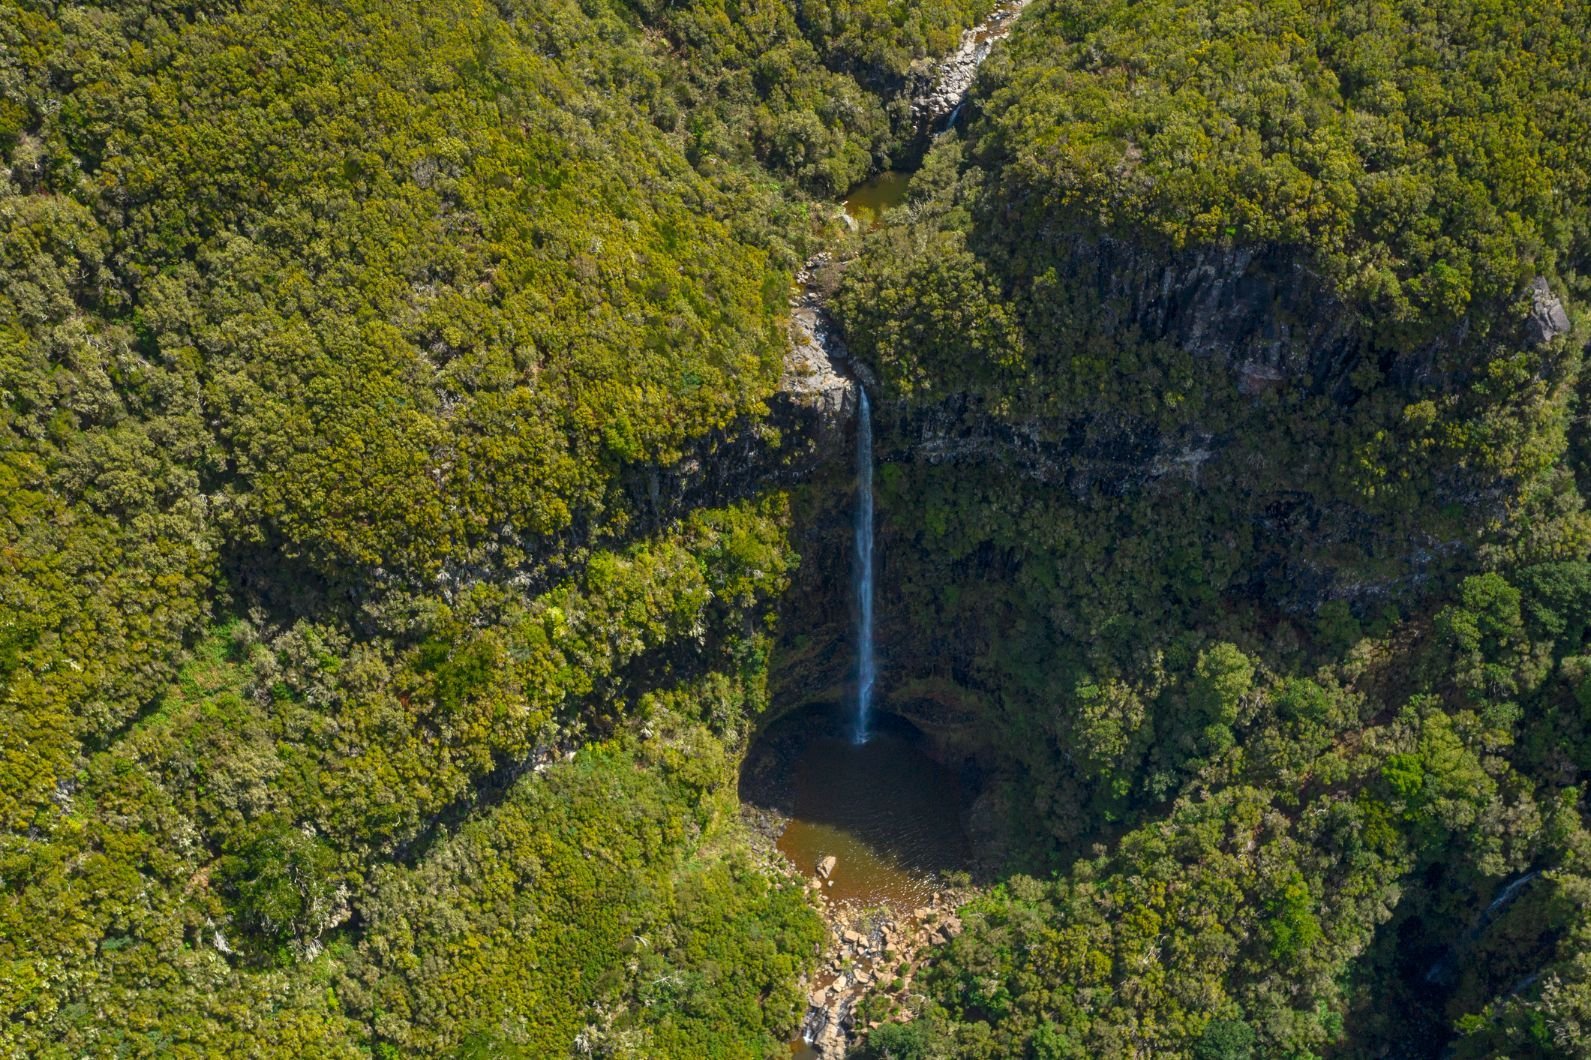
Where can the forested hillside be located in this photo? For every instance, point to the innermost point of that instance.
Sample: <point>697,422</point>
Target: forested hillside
<point>1237,355</point>
<point>354,701</point>
<point>387,598</point>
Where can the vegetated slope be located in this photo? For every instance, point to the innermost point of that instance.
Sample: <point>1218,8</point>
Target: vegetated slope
<point>358,701</point>
<point>814,90</point>
<point>1233,392</point>
<point>356,698</point>
<point>379,296</point>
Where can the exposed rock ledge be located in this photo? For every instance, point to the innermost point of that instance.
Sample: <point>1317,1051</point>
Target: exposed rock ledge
<point>811,380</point>
<point>813,383</point>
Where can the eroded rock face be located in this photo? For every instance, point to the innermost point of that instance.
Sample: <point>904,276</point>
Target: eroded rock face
<point>812,385</point>
<point>816,409</point>
<point>1548,319</point>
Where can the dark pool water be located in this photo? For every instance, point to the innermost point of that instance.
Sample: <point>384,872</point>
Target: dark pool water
<point>889,814</point>
<point>867,201</point>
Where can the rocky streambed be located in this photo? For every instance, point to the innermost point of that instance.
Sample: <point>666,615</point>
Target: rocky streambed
<point>873,960</point>
<point>939,86</point>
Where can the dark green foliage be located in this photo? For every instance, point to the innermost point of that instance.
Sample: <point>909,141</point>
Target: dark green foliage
<point>280,884</point>
<point>901,1041</point>
<point>1225,1040</point>
<point>368,291</point>
<point>361,697</point>
<point>1283,858</point>
<point>1129,496</point>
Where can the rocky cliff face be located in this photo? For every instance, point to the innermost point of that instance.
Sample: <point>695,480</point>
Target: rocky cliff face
<point>1271,342</point>
<point>1265,315</point>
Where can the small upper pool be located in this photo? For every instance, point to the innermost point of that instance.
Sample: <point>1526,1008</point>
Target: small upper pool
<point>891,816</point>
<point>867,201</point>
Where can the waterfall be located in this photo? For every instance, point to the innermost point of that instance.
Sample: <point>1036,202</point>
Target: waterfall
<point>1507,894</point>
<point>865,671</point>
<point>1444,971</point>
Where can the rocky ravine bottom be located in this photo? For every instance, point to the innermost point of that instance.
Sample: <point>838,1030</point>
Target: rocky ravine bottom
<point>872,959</point>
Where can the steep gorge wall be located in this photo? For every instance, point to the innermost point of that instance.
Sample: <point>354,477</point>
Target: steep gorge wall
<point>1264,341</point>
<point>1172,447</point>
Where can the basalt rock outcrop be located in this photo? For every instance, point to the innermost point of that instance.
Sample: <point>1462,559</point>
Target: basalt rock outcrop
<point>1265,315</point>
<point>1548,319</point>
<point>1266,334</point>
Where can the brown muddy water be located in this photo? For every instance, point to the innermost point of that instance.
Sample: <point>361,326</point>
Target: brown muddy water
<point>890,815</point>
<point>867,201</point>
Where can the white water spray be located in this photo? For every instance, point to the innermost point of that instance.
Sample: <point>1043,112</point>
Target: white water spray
<point>865,670</point>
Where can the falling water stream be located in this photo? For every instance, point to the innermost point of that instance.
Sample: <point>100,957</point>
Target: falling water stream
<point>853,783</point>
<point>865,668</point>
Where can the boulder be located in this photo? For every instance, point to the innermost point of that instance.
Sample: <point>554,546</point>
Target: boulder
<point>939,86</point>
<point>1548,319</point>
<point>826,866</point>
